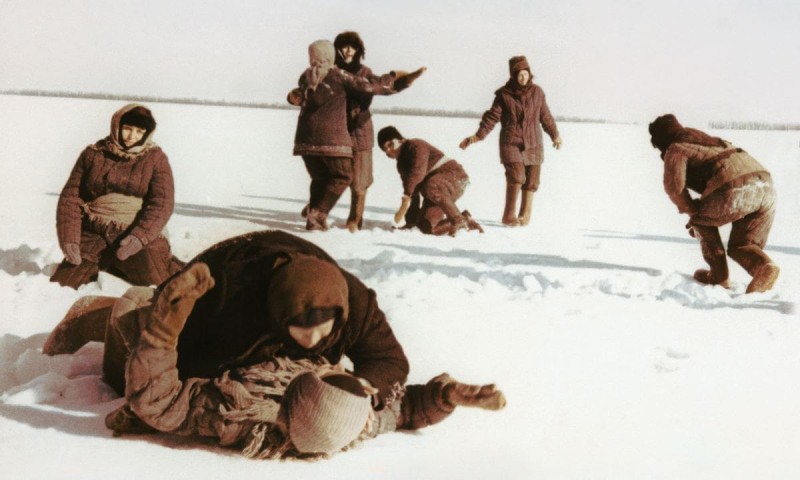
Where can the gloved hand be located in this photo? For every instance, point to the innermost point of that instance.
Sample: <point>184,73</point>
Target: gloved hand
<point>557,142</point>
<point>468,141</point>
<point>401,212</point>
<point>487,397</point>
<point>403,80</point>
<point>72,253</point>
<point>174,304</point>
<point>129,245</point>
<point>295,97</point>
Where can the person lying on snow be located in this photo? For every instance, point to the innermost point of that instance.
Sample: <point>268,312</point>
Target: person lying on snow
<point>273,409</point>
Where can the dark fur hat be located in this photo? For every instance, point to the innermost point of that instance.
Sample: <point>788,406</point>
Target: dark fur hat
<point>350,39</point>
<point>515,64</point>
<point>386,134</point>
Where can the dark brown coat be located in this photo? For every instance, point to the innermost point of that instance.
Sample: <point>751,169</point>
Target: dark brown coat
<point>414,163</point>
<point>322,124</point>
<point>231,324</point>
<point>522,113</point>
<point>104,168</point>
<point>359,118</point>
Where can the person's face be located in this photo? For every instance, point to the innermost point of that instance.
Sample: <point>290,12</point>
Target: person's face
<point>523,77</point>
<point>309,337</point>
<point>392,147</point>
<point>131,135</point>
<point>348,52</point>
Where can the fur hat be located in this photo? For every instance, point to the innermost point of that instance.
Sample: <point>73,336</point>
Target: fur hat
<point>303,284</point>
<point>351,39</point>
<point>664,130</point>
<point>325,415</point>
<point>386,134</point>
<point>138,116</point>
<point>515,64</point>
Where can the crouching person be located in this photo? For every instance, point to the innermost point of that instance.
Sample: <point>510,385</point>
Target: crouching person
<point>273,409</point>
<point>733,187</point>
<point>425,171</point>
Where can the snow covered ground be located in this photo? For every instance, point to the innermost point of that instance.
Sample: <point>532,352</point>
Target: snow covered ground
<point>616,364</point>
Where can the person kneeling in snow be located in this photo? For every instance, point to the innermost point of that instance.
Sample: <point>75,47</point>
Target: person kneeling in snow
<point>425,171</point>
<point>273,409</point>
<point>734,188</point>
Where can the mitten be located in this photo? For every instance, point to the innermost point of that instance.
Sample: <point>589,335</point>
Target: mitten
<point>487,397</point>
<point>175,303</point>
<point>129,245</point>
<point>72,253</point>
<point>557,142</point>
<point>403,80</point>
<point>295,97</point>
<point>468,141</point>
<point>401,212</point>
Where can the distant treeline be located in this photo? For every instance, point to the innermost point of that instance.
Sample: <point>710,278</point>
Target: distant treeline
<point>733,125</point>
<point>282,106</point>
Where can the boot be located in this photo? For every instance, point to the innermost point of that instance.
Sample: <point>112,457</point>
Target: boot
<point>525,207</point>
<point>758,264</point>
<point>512,192</point>
<point>471,223</point>
<point>84,322</point>
<point>316,220</point>
<point>764,278</point>
<point>714,255</point>
<point>356,218</point>
<point>123,420</point>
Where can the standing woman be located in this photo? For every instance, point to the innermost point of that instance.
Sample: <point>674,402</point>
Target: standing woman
<point>322,138</point>
<point>522,111</point>
<point>115,205</point>
<point>349,54</point>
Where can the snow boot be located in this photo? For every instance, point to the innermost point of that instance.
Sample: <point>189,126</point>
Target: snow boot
<point>512,192</point>
<point>458,223</point>
<point>525,207</point>
<point>758,264</point>
<point>84,322</point>
<point>316,220</point>
<point>123,420</point>
<point>714,255</point>
<point>356,218</point>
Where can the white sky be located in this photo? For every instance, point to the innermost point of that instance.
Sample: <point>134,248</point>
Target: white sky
<point>622,60</point>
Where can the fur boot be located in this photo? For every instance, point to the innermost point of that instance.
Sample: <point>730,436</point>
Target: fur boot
<point>84,322</point>
<point>714,255</point>
<point>512,192</point>
<point>758,264</point>
<point>525,207</point>
<point>356,217</point>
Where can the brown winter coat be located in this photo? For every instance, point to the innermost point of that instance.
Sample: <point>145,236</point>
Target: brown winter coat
<point>232,324</point>
<point>322,124</point>
<point>415,162</point>
<point>520,113</point>
<point>359,118</point>
<point>103,168</point>
<point>705,169</point>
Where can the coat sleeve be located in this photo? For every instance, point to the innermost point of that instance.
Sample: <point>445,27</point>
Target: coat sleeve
<point>375,352</point>
<point>675,164</point>
<point>374,85</point>
<point>68,211</point>
<point>416,156</point>
<point>159,398</point>
<point>490,118</point>
<point>547,120</point>
<point>157,204</point>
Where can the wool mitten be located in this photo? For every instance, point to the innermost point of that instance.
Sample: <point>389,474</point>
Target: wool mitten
<point>403,80</point>
<point>295,97</point>
<point>129,245</point>
<point>72,252</point>
<point>487,397</point>
<point>175,303</point>
<point>404,206</point>
<point>468,141</point>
